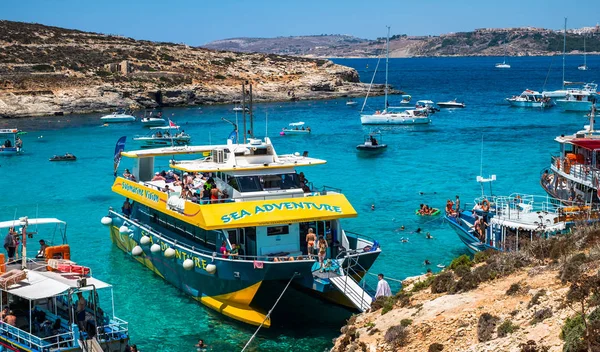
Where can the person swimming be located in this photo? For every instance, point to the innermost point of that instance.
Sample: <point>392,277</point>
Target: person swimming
<point>427,262</point>
<point>372,206</point>
<point>428,236</point>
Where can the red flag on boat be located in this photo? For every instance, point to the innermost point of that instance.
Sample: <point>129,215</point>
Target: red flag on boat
<point>172,124</point>
<point>258,265</point>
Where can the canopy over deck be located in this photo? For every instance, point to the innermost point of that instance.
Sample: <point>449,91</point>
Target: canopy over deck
<point>39,285</point>
<point>30,222</point>
<point>300,123</point>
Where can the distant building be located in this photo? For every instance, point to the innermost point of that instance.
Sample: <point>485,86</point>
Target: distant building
<point>124,67</point>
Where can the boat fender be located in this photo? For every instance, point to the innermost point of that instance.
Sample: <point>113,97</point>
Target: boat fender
<point>155,248</point>
<point>124,230</point>
<point>106,220</point>
<point>211,268</point>
<point>169,252</point>
<point>253,149</point>
<point>485,205</point>
<point>144,240</point>
<point>188,264</point>
<point>137,250</point>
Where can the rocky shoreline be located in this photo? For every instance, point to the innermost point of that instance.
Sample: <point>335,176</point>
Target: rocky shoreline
<point>55,71</point>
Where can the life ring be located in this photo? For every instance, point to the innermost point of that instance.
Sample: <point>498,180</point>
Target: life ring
<point>485,205</point>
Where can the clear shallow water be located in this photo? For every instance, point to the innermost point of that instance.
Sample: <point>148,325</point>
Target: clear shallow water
<point>441,160</point>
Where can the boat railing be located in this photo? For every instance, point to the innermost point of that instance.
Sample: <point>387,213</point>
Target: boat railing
<point>114,330</point>
<point>205,252</point>
<point>35,342</point>
<point>584,172</point>
<point>368,240</point>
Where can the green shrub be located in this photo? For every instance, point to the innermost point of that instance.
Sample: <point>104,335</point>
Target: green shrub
<point>442,282</point>
<point>388,305</point>
<point>485,273</point>
<point>435,347</point>
<point>466,283</point>
<point>220,77</point>
<point>572,268</point>
<point>541,315</point>
<point>102,73</point>
<point>397,336</point>
<point>405,322</point>
<point>507,327</point>
<point>481,257</point>
<point>403,298</point>
<point>573,332</point>
<point>513,289</point>
<point>43,68</point>
<point>418,286</point>
<point>462,260</point>
<point>462,270</point>
<point>535,300</point>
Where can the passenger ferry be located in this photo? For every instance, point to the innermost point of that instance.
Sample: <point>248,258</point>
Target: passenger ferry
<point>241,250</point>
<point>42,292</point>
<point>574,173</point>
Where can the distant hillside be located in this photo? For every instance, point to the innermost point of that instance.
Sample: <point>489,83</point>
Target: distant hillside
<point>50,70</point>
<point>482,42</point>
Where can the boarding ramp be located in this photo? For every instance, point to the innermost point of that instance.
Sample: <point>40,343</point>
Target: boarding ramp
<point>351,289</point>
<point>90,345</point>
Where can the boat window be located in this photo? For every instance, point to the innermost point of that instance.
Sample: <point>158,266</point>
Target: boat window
<point>248,184</point>
<point>260,151</point>
<point>233,183</point>
<point>278,230</point>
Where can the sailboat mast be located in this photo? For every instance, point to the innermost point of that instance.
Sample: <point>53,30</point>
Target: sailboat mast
<point>584,56</point>
<point>387,59</point>
<point>564,53</point>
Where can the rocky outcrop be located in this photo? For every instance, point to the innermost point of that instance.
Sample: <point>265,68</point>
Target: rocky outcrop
<point>48,70</point>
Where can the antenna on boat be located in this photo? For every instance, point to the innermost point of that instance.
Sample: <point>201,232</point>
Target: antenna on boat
<point>266,124</point>
<point>564,53</point>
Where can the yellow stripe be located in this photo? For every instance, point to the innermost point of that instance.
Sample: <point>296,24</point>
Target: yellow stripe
<point>127,244</point>
<point>242,214</point>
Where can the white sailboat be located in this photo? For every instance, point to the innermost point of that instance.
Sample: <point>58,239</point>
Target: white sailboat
<point>503,64</point>
<point>561,93</point>
<point>387,117</point>
<point>584,66</point>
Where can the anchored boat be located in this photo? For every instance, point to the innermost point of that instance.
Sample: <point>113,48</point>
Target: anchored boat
<point>450,104</point>
<point>530,99</point>
<point>118,116</point>
<point>295,128</point>
<point>237,250</point>
<point>11,141</point>
<point>170,137</point>
<point>44,290</point>
<point>372,143</point>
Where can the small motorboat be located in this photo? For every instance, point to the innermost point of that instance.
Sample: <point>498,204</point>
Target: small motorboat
<point>426,105</point>
<point>295,128</point>
<point>153,121</point>
<point>372,143</point>
<point>351,102</point>
<point>240,108</point>
<point>66,157</point>
<point>118,116</point>
<point>450,104</point>
<point>405,99</point>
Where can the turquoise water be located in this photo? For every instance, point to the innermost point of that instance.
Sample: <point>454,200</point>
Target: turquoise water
<point>441,161</point>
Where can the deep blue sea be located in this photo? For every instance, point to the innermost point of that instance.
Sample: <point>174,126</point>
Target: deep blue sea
<point>425,164</point>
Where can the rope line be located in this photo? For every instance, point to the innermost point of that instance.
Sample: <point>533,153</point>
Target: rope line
<point>269,313</point>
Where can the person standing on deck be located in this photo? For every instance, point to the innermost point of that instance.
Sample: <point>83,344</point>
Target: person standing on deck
<point>311,238</point>
<point>10,243</point>
<point>383,288</point>
<point>81,307</point>
<point>457,204</point>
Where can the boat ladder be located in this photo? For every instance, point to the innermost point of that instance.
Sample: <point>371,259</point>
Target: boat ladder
<point>351,289</point>
<point>91,345</point>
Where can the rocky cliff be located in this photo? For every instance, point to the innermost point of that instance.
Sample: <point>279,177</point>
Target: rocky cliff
<point>48,70</point>
<point>545,298</point>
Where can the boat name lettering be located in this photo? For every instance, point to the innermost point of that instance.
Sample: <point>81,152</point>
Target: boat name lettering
<point>267,208</point>
<point>179,254</point>
<point>141,192</point>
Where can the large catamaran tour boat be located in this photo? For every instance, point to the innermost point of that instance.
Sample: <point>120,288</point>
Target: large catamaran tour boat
<point>240,250</point>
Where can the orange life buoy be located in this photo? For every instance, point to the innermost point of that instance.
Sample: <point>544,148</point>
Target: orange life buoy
<point>485,205</point>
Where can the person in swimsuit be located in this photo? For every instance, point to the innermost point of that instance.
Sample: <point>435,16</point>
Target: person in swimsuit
<point>81,306</point>
<point>310,242</point>
<point>322,251</point>
<point>214,195</point>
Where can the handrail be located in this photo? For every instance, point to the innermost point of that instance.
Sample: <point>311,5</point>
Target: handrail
<point>25,338</point>
<point>203,252</point>
<point>358,235</point>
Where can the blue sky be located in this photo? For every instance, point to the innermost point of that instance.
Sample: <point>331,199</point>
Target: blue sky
<point>197,22</point>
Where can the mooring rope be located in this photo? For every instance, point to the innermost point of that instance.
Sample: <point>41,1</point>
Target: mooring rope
<point>269,313</point>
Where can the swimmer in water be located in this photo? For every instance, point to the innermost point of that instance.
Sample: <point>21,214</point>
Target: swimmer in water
<point>372,206</point>
<point>402,228</point>
<point>418,230</point>
<point>427,262</point>
<point>404,240</point>
<point>428,236</point>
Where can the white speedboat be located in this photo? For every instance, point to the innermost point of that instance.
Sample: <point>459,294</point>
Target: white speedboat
<point>579,99</point>
<point>153,121</point>
<point>502,65</point>
<point>405,99</point>
<point>386,117</point>
<point>160,139</point>
<point>240,108</point>
<point>295,128</point>
<point>530,99</point>
<point>426,105</point>
<point>351,102</point>
<point>451,104</point>
<point>118,116</point>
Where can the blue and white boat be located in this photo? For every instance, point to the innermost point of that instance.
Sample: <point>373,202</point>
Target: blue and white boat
<point>11,141</point>
<point>515,220</point>
<point>530,99</point>
<point>43,291</point>
<point>579,99</point>
<point>118,116</point>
